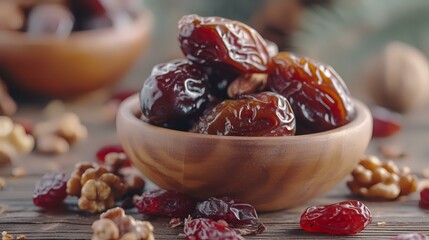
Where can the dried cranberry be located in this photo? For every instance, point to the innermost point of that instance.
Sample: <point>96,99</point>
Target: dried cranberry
<point>208,229</point>
<point>165,203</point>
<point>348,217</point>
<point>234,212</point>
<point>318,96</point>
<point>50,191</point>
<point>262,114</point>
<point>385,122</point>
<point>216,40</point>
<point>174,94</point>
<point>101,154</point>
<point>424,198</point>
<point>410,236</point>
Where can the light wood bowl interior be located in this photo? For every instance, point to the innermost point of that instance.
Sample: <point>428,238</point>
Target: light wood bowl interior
<point>78,64</point>
<point>271,173</point>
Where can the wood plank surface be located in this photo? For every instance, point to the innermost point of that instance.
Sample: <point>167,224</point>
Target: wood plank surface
<point>18,215</point>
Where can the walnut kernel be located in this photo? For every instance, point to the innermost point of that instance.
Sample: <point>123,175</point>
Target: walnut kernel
<point>52,144</point>
<point>96,187</point>
<point>126,226</point>
<point>105,229</point>
<point>383,181</point>
<point>6,236</point>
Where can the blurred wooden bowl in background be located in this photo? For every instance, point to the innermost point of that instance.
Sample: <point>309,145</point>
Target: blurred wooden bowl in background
<point>72,66</point>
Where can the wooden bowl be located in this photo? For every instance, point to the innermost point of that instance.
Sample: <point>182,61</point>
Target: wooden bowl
<point>78,64</point>
<point>271,173</point>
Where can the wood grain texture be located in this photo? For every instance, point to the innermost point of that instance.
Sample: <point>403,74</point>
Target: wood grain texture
<point>271,173</point>
<point>20,216</point>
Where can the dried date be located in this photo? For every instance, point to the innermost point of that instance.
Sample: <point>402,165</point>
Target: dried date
<point>174,94</point>
<point>262,114</point>
<point>216,40</point>
<point>317,94</point>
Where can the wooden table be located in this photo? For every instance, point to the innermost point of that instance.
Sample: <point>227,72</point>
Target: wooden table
<point>18,215</point>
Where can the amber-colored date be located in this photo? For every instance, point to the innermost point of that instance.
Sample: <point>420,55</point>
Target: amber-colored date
<point>262,114</point>
<point>216,40</point>
<point>317,94</point>
<point>174,94</point>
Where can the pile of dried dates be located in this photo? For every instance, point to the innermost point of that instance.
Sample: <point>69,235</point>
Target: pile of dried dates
<point>60,17</point>
<point>235,83</point>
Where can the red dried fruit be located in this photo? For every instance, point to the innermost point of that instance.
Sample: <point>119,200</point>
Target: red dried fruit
<point>165,203</point>
<point>232,211</point>
<point>207,229</point>
<point>220,77</point>
<point>262,114</point>
<point>343,218</point>
<point>317,94</point>
<point>216,40</point>
<point>410,236</point>
<point>424,198</point>
<point>50,191</point>
<point>174,94</point>
<point>385,123</point>
<point>101,154</point>
<point>241,216</point>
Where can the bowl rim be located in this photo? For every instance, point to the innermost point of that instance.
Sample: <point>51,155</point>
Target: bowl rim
<point>143,20</point>
<point>129,106</point>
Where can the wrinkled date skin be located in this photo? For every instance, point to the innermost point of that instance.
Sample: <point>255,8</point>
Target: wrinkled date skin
<point>262,114</point>
<point>165,203</point>
<point>233,212</point>
<point>317,94</point>
<point>174,94</point>
<point>220,76</point>
<point>216,40</point>
<point>343,218</point>
<point>208,229</point>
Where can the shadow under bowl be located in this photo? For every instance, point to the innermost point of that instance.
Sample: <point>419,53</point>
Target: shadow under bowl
<point>271,173</point>
<point>72,66</point>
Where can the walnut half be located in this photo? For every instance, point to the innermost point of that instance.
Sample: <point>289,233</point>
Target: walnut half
<point>374,179</point>
<point>115,225</point>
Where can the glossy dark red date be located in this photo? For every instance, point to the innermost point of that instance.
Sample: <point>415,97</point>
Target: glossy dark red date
<point>216,40</point>
<point>262,114</point>
<point>174,94</point>
<point>317,94</point>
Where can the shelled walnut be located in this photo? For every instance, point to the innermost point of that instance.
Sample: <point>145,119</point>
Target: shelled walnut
<point>13,140</point>
<point>57,134</point>
<point>374,179</point>
<point>115,225</point>
<point>95,186</point>
<point>118,164</point>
